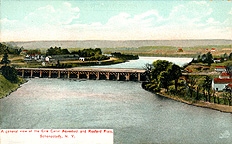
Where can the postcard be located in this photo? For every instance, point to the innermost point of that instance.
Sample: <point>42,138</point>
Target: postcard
<point>119,71</point>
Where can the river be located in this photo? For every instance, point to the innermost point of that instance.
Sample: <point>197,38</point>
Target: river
<point>139,64</point>
<point>137,116</point>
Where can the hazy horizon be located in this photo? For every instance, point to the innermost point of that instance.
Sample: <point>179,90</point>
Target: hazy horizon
<point>119,43</point>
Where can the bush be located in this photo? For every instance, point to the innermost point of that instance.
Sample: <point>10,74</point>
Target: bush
<point>10,73</point>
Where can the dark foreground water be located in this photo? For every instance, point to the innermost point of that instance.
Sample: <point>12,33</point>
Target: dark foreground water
<point>136,115</point>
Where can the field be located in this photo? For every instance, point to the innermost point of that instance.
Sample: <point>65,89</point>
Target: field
<point>168,50</point>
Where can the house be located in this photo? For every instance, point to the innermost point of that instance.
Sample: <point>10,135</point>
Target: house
<point>45,63</point>
<point>28,58</point>
<point>81,58</point>
<point>206,49</point>
<point>24,51</point>
<point>213,49</point>
<point>219,84</point>
<point>229,87</point>
<point>48,58</point>
<point>217,60</point>
<point>220,68</point>
<point>226,58</point>
<point>180,50</point>
<point>225,76</point>
<point>188,70</point>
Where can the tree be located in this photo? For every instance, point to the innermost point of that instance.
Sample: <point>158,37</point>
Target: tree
<point>209,58</point>
<point>228,95</point>
<point>9,73</point>
<point>5,59</point>
<point>222,59</point>
<point>98,51</point>
<point>199,58</point>
<point>230,56</point>
<point>57,51</point>
<point>203,57</point>
<point>164,80</point>
<point>191,82</point>
<point>207,85</point>
<point>159,66</point>
<point>175,72</point>
<point>148,67</point>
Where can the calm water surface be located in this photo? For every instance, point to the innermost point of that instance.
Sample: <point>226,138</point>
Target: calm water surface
<point>137,116</point>
<point>139,64</point>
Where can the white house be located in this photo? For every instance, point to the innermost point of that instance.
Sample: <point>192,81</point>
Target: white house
<point>213,49</point>
<point>219,84</point>
<point>217,60</point>
<point>45,63</point>
<point>81,58</point>
<point>27,58</point>
<point>220,68</point>
<point>48,58</point>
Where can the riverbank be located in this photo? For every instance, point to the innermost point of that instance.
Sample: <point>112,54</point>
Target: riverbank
<point>70,64</point>
<point>6,87</point>
<point>222,108</point>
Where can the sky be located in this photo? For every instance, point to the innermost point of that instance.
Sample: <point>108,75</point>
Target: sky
<point>31,20</point>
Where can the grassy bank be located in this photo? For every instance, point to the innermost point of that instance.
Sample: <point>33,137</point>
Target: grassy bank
<point>6,87</point>
<point>73,63</point>
<point>200,100</point>
<point>219,107</point>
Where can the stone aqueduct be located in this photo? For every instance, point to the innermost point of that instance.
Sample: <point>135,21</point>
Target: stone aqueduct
<point>84,73</point>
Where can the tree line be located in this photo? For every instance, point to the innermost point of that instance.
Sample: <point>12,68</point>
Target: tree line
<point>9,49</point>
<point>89,54</point>
<point>10,73</point>
<point>208,58</point>
<point>124,56</point>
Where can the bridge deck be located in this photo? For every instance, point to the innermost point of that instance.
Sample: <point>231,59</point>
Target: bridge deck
<point>89,69</point>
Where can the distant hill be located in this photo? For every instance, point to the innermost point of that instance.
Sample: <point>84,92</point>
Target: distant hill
<point>116,44</point>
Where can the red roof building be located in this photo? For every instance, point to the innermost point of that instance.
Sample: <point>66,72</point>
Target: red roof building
<point>220,68</point>
<point>229,85</point>
<point>225,75</point>
<point>219,84</point>
<point>213,49</point>
<point>221,81</point>
<point>189,70</point>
